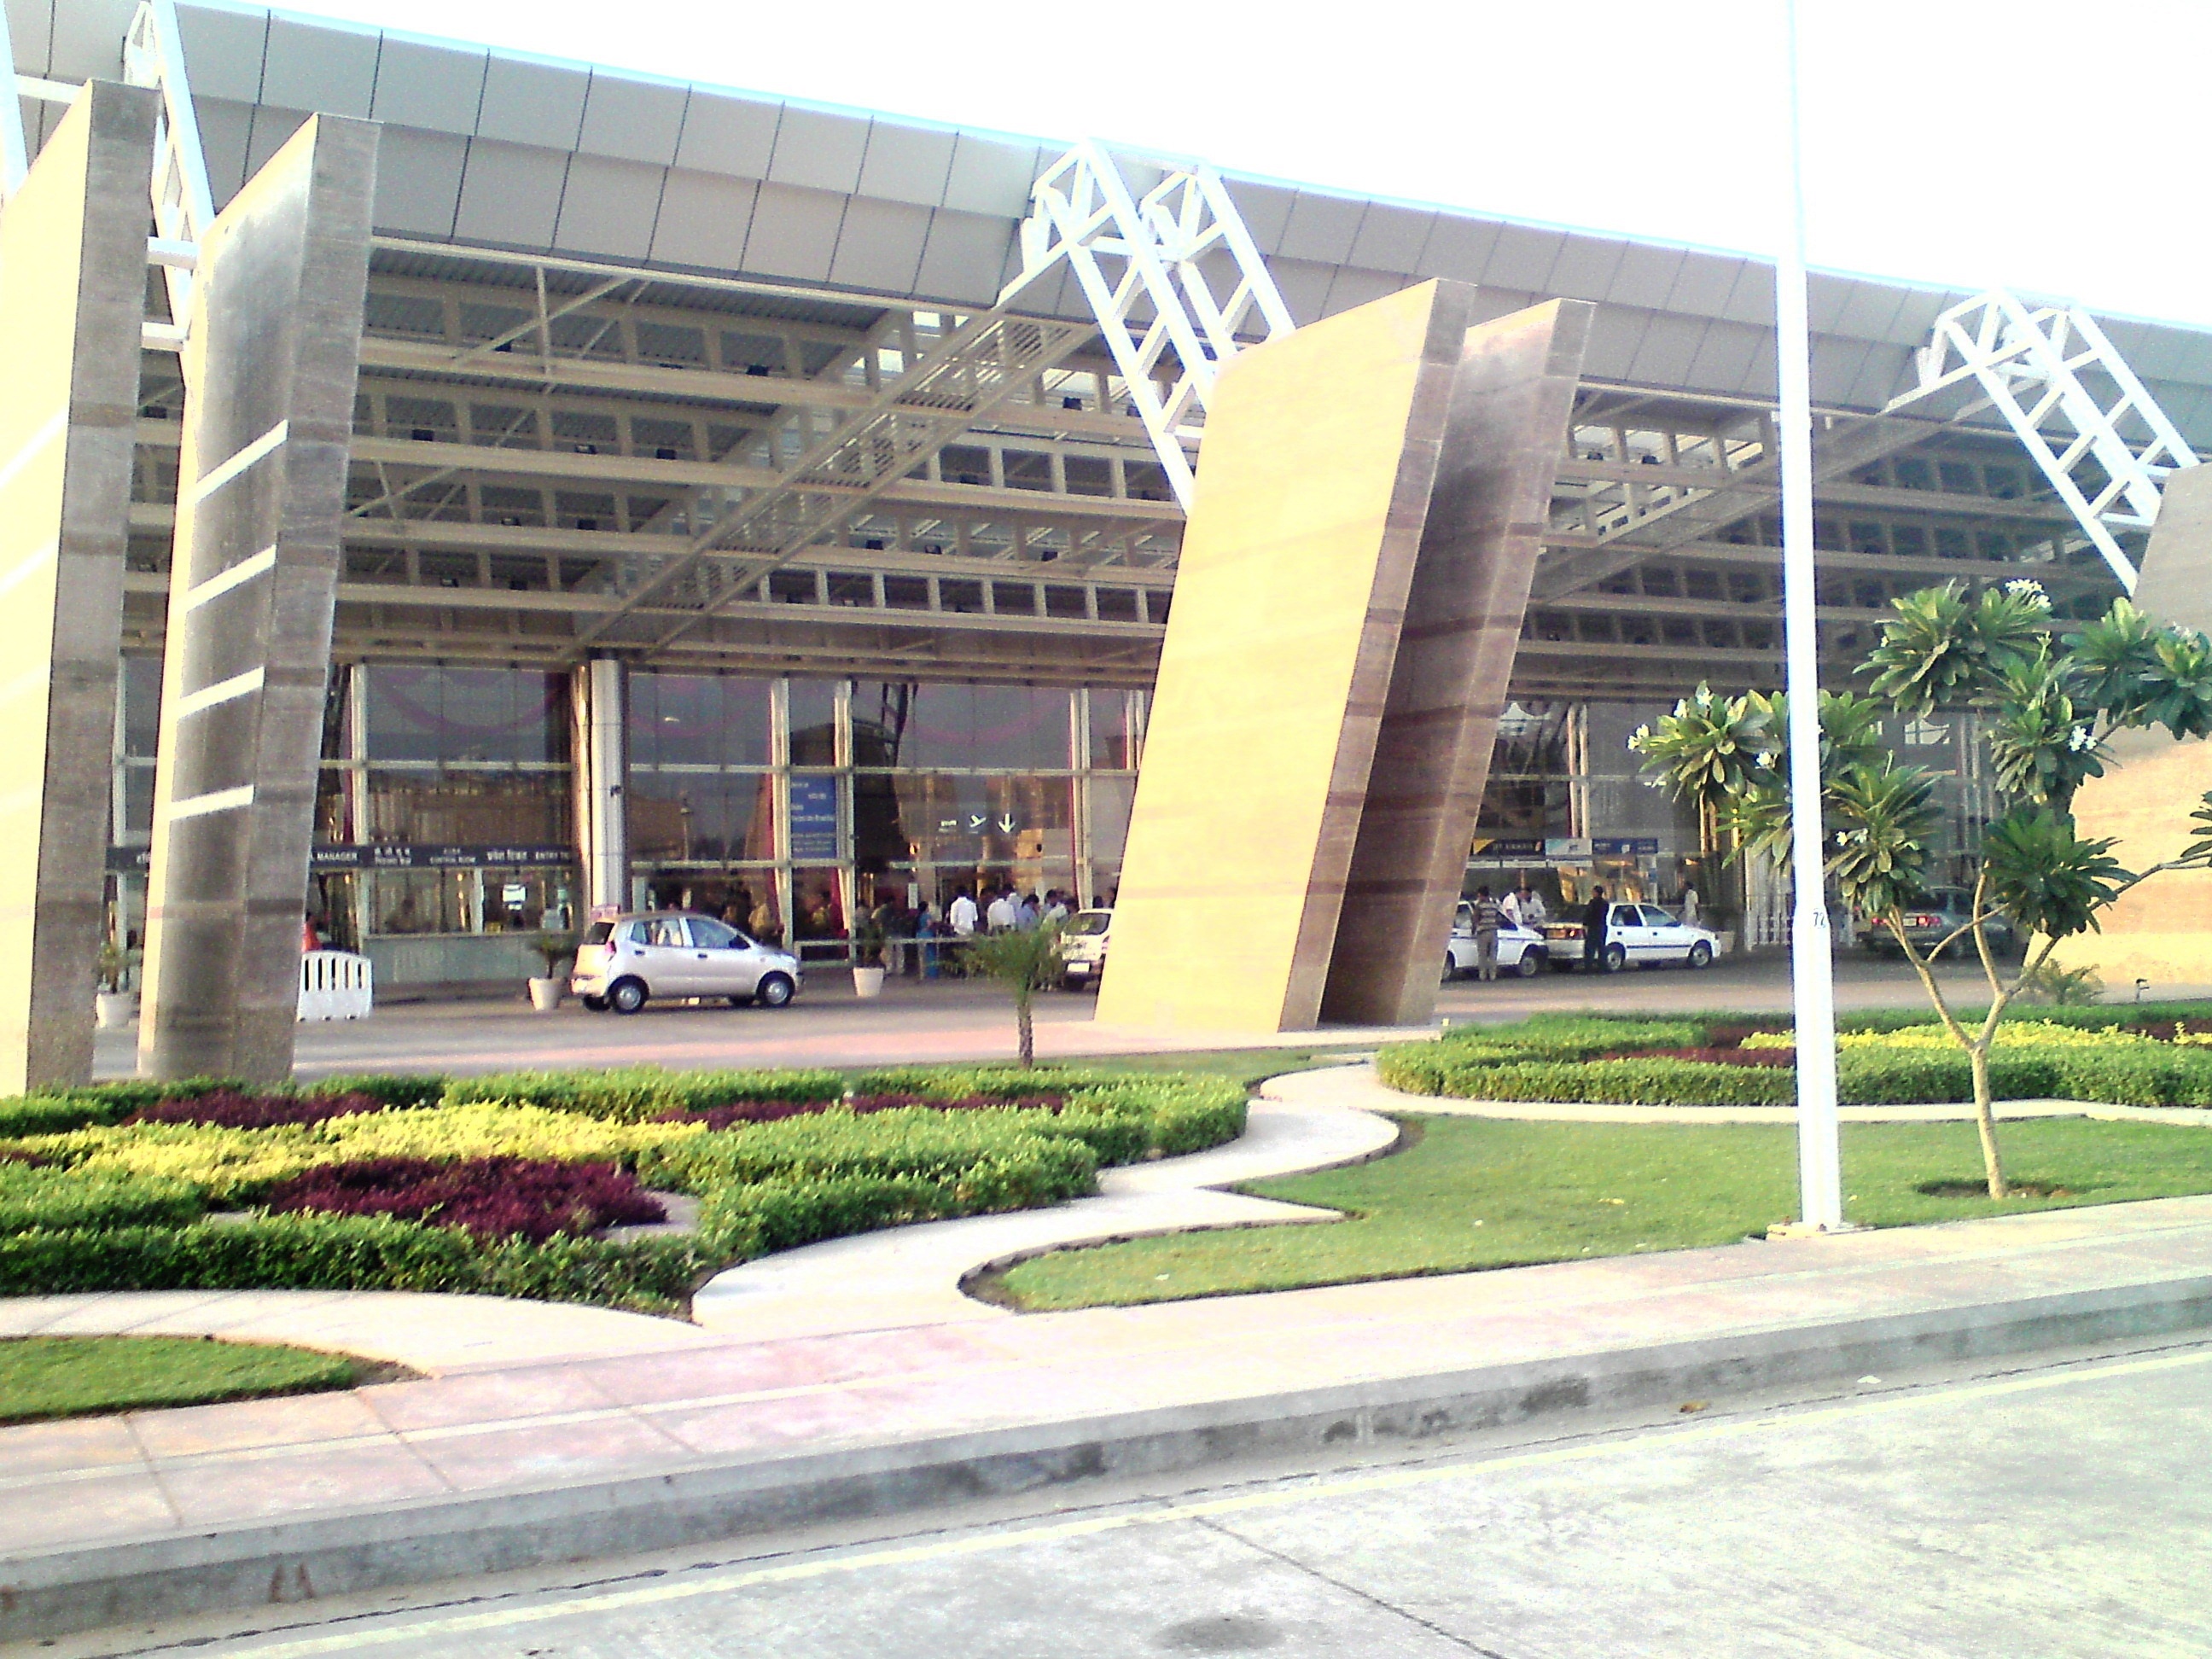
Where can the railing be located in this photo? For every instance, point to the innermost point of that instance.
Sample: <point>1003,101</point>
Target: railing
<point>336,985</point>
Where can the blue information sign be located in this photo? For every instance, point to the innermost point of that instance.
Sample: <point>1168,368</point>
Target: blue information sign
<point>814,820</point>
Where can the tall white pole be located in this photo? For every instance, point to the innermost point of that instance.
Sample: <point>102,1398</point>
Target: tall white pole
<point>1819,1168</point>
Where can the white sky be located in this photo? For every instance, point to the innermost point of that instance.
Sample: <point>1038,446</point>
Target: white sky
<point>2056,146</point>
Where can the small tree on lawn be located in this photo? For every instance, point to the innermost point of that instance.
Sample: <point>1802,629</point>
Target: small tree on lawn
<point>2048,704</point>
<point>1025,960</point>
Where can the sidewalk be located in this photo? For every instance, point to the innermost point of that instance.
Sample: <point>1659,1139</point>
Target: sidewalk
<point>564,1433</point>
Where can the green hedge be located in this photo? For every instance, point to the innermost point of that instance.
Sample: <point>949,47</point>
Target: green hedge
<point>360,1253</point>
<point>2161,1076</point>
<point>635,1094</point>
<point>35,1197</point>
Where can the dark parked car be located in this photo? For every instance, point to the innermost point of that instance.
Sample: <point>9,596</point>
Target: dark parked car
<point>1936,916</point>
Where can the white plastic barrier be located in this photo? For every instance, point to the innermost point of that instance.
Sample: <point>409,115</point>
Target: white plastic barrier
<point>334,985</point>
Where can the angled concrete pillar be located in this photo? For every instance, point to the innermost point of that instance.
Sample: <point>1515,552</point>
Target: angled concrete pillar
<point>72,296</point>
<point>270,368</point>
<point>1511,397</point>
<point>1347,603</point>
<point>2162,930</point>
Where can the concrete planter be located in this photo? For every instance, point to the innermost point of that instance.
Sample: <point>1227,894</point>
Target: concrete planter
<point>867,982</point>
<point>113,1009</point>
<point>544,994</point>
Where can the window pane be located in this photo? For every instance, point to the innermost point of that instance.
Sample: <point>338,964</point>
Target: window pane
<point>714,720</point>
<point>708,934</point>
<point>445,713</point>
<point>1011,727</point>
<point>813,715</point>
<point>467,809</point>
<point>706,817</point>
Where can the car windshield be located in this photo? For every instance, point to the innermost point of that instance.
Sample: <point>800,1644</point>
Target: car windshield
<point>1089,921</point>
<point>600,932</point>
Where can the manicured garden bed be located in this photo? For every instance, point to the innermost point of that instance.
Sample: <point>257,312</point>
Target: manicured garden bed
<point>43,1378</point>
<point>1480,1193</point>
<point>506,1184</point>
<point>2147,1056</point>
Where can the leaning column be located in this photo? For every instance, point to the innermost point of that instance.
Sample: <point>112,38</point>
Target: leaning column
<point>72,298</point>
<point>271,357</point>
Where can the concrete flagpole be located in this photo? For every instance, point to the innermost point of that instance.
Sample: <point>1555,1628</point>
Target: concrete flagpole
<point>1820,1171</point>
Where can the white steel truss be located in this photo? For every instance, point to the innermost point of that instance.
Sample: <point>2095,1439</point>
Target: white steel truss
<point>1143,266</point>
<point>2053,367</point>
<point>183,206</point>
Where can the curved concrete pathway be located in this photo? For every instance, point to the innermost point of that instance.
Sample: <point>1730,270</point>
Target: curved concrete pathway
<point>912,1275</point>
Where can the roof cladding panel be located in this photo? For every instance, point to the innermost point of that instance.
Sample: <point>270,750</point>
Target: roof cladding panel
<point>1616,336</point>
<point>1703,284</point>
<point>1522,257</point>
<point>1644,277</point>
<point>704,221</point>
<point>224,129</point>
<point>511,195</point>
<point>1265,210</point>
<point>724,133</point>
<point>963,257</point>
<point>1869,311</point>
<point>273,128</point>
<point>992,175</point>
<point>1585,267</point>
<point>527,103</point>
<point>1458,247</point>
<point>1304,285</point>
<point>419,181</point>
<point>1724,356</point>
<point>1391,238</point>
<point>31,31</point>
<point>1669,346</point>
<point>816,150</point>
<point>223,50</point>
<point>1323,228</point>
<point>794,233</point>
<point>429,86</point>
<point>907,164</point>
<point>880,245</point>
<point>1354,287</point>
<point>633,120</point>
<point>318,67</point>
<point>609,206</point>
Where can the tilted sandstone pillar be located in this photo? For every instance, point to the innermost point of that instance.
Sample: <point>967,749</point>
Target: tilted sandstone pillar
<point>270,368</point>
<point>1347,601</point>
<point>72,297</point>
<point>2161,931</point>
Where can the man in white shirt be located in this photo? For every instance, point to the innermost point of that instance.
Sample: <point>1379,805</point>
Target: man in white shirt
<point>1056,908</point>
<point>961,918</point>
<point>1000,913</point>
<point>1528,907</point>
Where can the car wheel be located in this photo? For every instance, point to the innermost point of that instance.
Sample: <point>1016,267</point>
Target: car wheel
<point>1530,965</point>
<point>626,996</point>
<point>1701,955</point>
<point>598,1005</point>
<point>1616,959</point>
<point>1451,968</point>
<point>774,990</point>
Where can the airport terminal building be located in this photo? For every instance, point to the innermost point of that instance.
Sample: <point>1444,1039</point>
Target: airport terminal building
<point>608,314</point>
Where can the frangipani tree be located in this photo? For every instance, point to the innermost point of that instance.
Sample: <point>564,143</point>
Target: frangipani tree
<point>2047,703</point>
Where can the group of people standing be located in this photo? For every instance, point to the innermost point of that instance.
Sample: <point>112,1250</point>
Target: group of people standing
<point>1003,910</point>
<point>1524,907</point>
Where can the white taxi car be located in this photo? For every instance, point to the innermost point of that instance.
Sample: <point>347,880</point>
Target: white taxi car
<point>629,960</point>
<point>1083,949</point>
<point>1520,949</point>
<point>1636,936</point>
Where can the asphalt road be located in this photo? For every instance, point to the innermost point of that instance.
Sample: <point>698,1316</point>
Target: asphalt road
<point>2060,1509</point>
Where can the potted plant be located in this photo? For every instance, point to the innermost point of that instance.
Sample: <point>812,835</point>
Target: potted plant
<point>115,1004</point>
<point>868,956</point>
<point>555,948</point>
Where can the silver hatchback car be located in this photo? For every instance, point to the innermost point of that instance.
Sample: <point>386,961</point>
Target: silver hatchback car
<point>626,961</point>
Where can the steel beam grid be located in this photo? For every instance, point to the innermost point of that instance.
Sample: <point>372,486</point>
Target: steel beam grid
<point>979,363</point>
<point>1161,296</point>
<point>2048,354</point>
<point>183,206</point>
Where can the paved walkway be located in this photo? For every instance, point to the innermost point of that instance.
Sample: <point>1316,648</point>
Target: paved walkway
<point>527,1398</point>
<point>917,1021</point>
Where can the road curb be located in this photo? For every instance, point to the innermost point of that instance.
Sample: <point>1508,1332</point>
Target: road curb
<point>56,1592</point>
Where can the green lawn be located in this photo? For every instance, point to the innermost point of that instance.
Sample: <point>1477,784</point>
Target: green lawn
<point>1481,1192</point>
<point>46,1376</point>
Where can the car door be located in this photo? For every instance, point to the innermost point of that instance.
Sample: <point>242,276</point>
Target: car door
<point>1668,940</point>
<point>724,961</point>
<point>1626,929</point>
<point>663,958</point>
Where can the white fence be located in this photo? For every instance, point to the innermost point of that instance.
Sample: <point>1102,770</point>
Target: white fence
<point>334,985</point>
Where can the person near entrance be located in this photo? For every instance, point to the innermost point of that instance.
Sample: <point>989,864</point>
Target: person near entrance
<point>1596,915</point>
<point>961,917</point>
<point>1489,914</point>
<point>1526,906</point>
